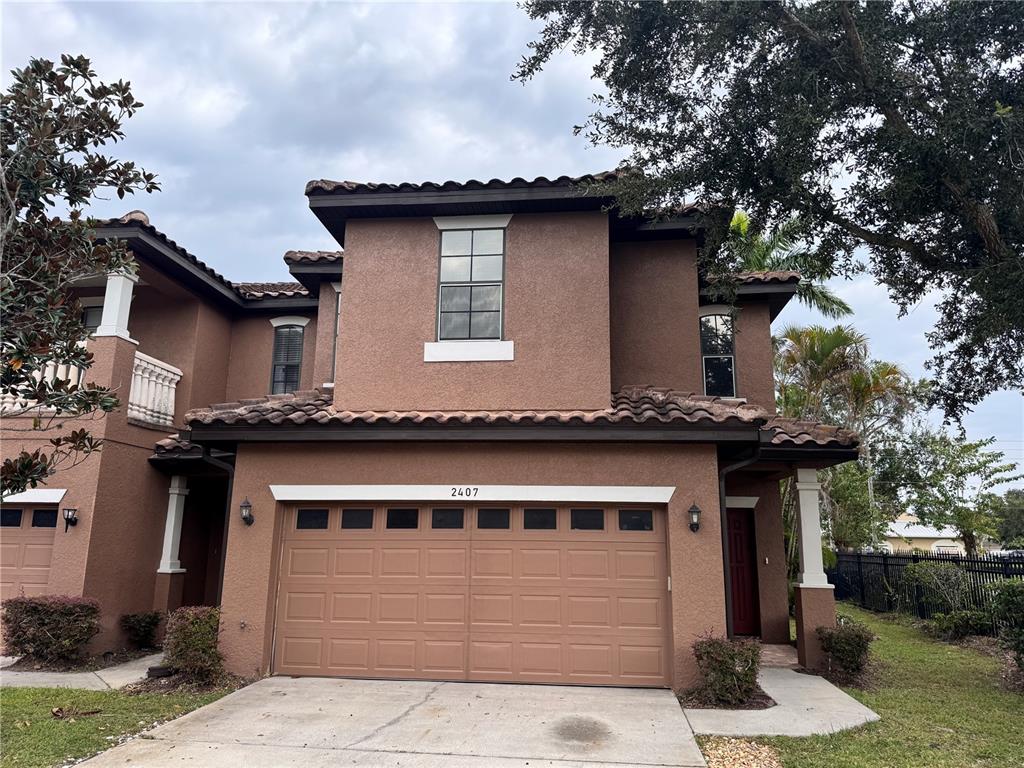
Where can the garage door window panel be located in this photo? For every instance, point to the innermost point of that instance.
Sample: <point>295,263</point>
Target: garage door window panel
<point>490,519</point>
<point>636,520</point>
<point>360,519</point>
<point>10,518</point>
<point>586,519</point>
<point>403,518</point>
<point>540,519</point>
<point>311,519</point>
<point>446,518</point>
<point>44,518</point>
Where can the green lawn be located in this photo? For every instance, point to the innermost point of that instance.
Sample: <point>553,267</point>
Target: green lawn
<point>940,706</point>
<point>31,736</point>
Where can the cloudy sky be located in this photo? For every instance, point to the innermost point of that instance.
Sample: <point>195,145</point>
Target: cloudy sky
<point>247,102</point>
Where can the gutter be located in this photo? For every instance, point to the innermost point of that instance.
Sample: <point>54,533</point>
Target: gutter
<point>724,523</point>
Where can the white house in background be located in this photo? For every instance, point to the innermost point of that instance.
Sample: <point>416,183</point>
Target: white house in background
<point>907,533</point>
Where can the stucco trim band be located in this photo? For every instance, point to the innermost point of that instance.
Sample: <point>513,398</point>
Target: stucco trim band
<point>493,221</point>
<point>467,351</point>
<point>608,494</point>
<point>37,496</point>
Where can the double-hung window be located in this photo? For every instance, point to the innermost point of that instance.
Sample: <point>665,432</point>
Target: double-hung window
<point>470,293</point>
<point>718,354</point>
<point>287,364</point>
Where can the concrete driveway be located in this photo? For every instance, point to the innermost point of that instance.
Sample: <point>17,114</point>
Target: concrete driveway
<point>313,722</point>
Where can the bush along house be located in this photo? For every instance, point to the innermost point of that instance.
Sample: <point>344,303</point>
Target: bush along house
<point>502,434</point>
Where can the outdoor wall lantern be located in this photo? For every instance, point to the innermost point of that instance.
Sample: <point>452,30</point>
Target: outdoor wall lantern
<point>246,509</point>
<point>70,517</point>
<point>694,518</point>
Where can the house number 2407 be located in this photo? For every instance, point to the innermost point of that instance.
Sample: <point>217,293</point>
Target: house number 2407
<point>467,491</point>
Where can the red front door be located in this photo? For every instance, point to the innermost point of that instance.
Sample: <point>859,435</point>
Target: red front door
<point>743,569</point>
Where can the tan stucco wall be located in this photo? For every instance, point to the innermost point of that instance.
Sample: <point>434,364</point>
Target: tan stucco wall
<point>754,371</point>
<point>556,313</point>
<point>697,600</point>
<point>654,330</point>
<point>252,351</point>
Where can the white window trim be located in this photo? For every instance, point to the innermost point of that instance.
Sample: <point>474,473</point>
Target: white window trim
<point>607,494</point>
<point>493,221</point>
<point>719,309</point>
<point>37,496</point>
<point>456,351</point>
<point>741,502</point>
<point>298,320</point>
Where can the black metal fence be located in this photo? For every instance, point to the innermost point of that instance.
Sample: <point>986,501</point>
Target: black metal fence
<point>877,581</point>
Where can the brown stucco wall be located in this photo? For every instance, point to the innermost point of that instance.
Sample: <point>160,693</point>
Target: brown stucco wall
<point>252,350</point>
<point>654,331</point>
<point>556,313</point>
<point>697,599</point>
<point>754,371</point>
<point>771,553</point>
<point>815,607</point>
<point>326,318</point>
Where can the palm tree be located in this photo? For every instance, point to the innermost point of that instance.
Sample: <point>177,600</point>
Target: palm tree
<point>780,251</point>
<point>810,362</point>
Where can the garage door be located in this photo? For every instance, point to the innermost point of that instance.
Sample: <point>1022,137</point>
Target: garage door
<point>26,548</point>
<point>495,593</point>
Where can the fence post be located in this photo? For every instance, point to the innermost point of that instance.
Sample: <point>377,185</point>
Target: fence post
<point>918,600</point>
<point>860,578</point>
<point>885,578</point>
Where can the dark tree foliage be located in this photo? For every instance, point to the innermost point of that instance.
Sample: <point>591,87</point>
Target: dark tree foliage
<point>892,125</point>
<point>54,119</point>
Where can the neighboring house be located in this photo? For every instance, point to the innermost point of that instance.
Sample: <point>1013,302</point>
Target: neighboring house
<point>506,436</point>
<point>907,534</point>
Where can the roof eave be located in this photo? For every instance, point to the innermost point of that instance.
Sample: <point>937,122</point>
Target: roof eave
<point>311,274</point>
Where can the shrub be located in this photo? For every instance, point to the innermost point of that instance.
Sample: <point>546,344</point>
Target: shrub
<point>1008,616</point>
<point>729,668</point>
<point>944,586</point>
<point>957,625</point>
<point>141,627</point>
<point>190,643</point>
<point>846,645</point>
<point>50,628</point>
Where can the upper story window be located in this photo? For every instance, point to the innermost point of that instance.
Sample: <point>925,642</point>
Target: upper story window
<point>718,352</point>
<point>91,317</point>
<point>471,286</point>
<point>286,368</point>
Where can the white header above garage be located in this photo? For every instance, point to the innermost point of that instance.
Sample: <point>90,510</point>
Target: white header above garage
<point>605,494</point>
<point>37,496</point>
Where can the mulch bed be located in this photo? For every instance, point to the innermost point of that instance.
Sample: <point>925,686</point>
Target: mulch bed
<point>722,752</point>
<point>90,664</point>
<point>698,698</point>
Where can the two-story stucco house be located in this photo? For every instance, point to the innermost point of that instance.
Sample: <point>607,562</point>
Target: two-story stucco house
<point>502,434</point>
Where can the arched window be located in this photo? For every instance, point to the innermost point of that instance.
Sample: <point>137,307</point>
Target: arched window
<point>286,369</point>
<point>718,352</point>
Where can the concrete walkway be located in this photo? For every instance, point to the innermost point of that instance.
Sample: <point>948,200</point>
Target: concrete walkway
<point>116,676</point>
<point>807,705</point>
<point>313,722</point>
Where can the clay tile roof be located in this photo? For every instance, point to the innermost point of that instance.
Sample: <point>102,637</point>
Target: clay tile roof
<point>786,432</point>
<point>630,405</point>
<point>326,186</point>
<point>173,445</point>
<point>270,290</point>
<point>312,257</point>
<point>767,276</point>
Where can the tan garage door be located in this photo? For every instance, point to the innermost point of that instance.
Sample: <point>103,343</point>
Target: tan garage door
<point>26,548</point>
<point>489,593</point>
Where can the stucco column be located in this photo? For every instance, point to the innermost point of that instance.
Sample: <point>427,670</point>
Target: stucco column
<point>170,579</point>
<point>815,602</point>
<point>117,302</point>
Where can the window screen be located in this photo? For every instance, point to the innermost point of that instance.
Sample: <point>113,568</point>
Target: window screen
<point>44,518</point>
<point>471,284</point>
<point>287,365</point>
<point>718,354</point>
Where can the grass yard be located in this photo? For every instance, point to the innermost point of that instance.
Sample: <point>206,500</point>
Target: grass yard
<point>940,705</point>
<point>31,737</point>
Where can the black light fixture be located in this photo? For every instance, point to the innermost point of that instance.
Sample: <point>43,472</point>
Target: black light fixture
<point>70,517</point>
<point>694,518</point>
<point>246,509</point>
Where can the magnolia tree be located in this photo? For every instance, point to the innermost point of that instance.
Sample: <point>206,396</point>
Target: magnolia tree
<point>54,120</point>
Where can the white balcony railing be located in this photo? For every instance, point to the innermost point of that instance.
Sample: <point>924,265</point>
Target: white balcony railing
<point>52,371</point>
<point>151,399</point>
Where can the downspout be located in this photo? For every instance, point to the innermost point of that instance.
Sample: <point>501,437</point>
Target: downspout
<point>722,472</point>
<point>230,469</point>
